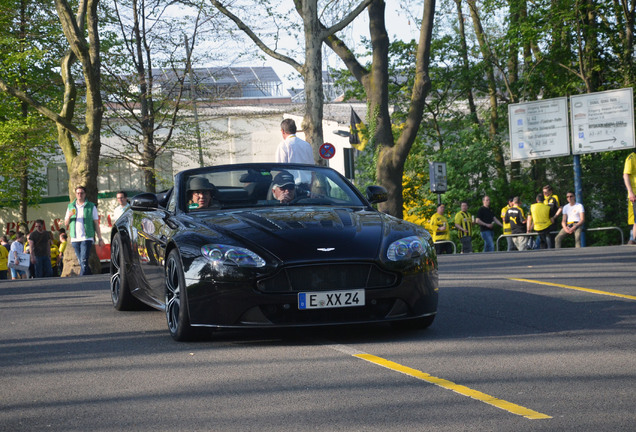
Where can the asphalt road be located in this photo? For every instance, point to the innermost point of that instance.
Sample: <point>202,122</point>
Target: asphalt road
<point>523,341</point>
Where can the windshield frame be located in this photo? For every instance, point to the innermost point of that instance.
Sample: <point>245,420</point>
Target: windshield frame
<point>233,193</point>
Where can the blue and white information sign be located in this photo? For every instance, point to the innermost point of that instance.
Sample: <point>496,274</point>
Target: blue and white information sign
<point>539,129</point>
<point>602,121</point>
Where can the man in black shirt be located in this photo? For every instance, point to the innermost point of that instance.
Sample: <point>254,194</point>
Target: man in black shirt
<point>517,221</point>
<point>486,221</point>
<point>40,247</point>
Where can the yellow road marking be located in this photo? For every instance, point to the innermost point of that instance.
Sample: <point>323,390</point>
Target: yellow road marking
<point>463,390</point>
<point>593,291</point>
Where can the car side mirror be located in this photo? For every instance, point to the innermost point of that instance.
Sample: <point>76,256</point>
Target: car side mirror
<point>145,201</point>
<point>377,194</point>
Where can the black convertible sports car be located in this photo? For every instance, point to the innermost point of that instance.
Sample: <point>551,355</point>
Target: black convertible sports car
<point>270,245</point>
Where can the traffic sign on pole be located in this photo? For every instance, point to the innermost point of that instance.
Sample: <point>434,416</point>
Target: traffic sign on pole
<point>327,151</point>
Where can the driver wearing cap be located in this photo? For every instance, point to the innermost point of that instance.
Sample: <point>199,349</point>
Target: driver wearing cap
<point>284,187</point>
<point>200,192</point>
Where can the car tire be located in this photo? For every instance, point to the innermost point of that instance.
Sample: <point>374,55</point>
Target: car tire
<point>122,298</point>
<point>177,314</point>
<point>415,323</point>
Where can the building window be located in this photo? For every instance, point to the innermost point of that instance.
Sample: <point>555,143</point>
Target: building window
<point>115,175</point>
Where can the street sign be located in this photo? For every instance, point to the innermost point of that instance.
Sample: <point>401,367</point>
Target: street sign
<point>437,176</point>
<point>327,151</point>
<point>602,121</point>
<point>539,129</point>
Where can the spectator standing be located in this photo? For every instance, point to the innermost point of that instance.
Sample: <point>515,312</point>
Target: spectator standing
<point>17,247</point>
<point>539,221</point>
<point>551,199</point>
<point>629,177</point>
<point>486,220</point>
<point>61,249</point>
<point>40,241</point>
<point>573,220</point>
<point>122,205</point>
<point>441,231</point>
<point>506,226</point>
<point>293,149</point>
<point>464,224</point>
<point>4,258</point>
<point>517,220</point>
<point>55,254</point>
<point>83,222</point>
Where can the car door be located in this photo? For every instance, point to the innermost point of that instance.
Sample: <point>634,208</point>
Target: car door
<point>152,236</point>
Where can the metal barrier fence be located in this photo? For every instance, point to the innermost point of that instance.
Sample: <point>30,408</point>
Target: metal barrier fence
<point>556,232</point>
<point>447,241</point>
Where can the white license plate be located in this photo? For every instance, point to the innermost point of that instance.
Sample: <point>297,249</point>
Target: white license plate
<point>330,299</point>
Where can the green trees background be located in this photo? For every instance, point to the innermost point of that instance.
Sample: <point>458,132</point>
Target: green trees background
<point>487,54</point>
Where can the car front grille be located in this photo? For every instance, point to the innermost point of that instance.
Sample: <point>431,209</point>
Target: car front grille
<point>327,277</point>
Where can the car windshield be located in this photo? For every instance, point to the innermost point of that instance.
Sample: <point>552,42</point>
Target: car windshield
<point>267,185</point>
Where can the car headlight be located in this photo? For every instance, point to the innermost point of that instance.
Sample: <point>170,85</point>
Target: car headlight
<point>231,255</point>
<point>407,248</point>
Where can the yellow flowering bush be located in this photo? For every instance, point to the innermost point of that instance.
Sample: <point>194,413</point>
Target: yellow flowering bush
<point>418,208</point>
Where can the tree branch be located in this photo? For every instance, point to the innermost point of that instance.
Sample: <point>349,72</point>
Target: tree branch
<point>241,25</point>
<point>46,112</point>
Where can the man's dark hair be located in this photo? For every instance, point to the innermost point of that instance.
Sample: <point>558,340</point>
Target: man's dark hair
<point>288,126</point>
<point>122,192</point>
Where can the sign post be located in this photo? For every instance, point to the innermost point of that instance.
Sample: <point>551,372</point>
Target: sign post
<point>437,177</point>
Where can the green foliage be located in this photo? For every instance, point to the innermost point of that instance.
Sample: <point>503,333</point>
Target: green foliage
<point>555,50</point>
<point>26,146</point>
<point>30,50</point>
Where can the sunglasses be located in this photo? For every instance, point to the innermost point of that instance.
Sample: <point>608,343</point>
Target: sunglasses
<point>569,196</point>
<point>287,187</point>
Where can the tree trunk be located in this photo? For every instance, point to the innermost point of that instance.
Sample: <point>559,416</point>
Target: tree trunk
<point>314,94</point>
<point>463,50</point>
<point>500,164</point>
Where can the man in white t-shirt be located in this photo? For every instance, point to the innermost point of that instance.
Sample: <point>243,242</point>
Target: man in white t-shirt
<point>122,204</point>
<point>82,221</point>
<point>573,220</point>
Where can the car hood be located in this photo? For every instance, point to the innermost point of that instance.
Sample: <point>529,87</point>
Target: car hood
<point>299,234</point>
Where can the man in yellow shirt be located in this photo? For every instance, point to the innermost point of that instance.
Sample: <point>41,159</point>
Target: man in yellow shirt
<point>464,225</point>
<point>506,226</point>
<point>539,221</point>
<point>629,176</point>
<point>551,199</point>
<point>4,258</point>
<point>440,231</point>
